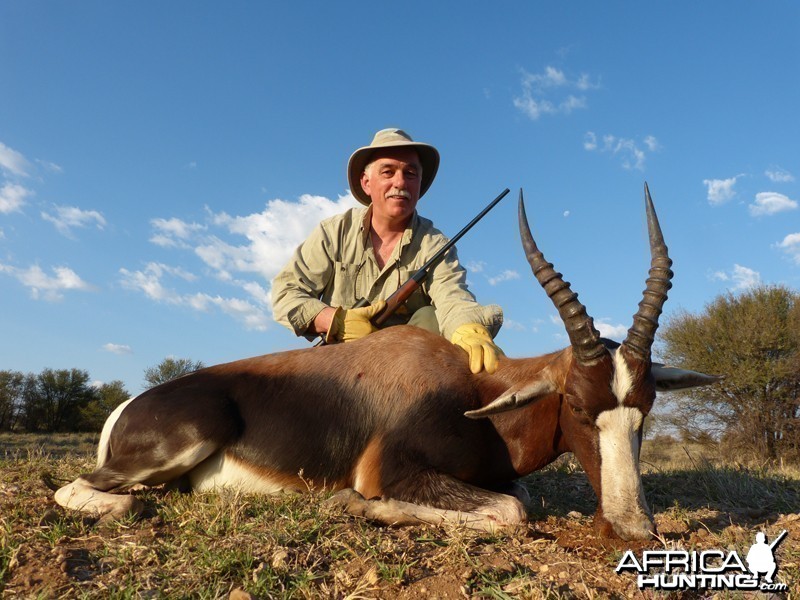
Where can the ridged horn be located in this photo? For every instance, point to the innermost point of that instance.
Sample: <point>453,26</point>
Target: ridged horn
<point>645,321</point>
<point>583,337</point>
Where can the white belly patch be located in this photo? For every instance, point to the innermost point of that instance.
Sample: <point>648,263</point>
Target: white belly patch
<point>223,471</point>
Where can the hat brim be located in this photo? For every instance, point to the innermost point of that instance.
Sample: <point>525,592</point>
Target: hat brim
<point>428,158</point>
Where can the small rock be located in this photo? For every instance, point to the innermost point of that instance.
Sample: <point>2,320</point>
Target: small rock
<point>9,490</point>
<point>574,514</point>
<point>701,533</point>
<point>563,575</point>
<point>50,516</point>
<point>372,576</point>
<point>279,559</point>
<point>258,570</point>
<point>544,569</point>
<point>240,594</point>
<point>106,564</point>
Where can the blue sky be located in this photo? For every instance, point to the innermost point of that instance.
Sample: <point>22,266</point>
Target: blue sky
<point>160,161</point>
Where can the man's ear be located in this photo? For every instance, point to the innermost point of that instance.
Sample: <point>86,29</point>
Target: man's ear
<point>365,183</point>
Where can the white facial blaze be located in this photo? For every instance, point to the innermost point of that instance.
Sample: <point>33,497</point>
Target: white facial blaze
<point>623,499</point>
<point>623,380</point>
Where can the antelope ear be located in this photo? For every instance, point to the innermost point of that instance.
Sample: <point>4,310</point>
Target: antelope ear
<point>516,397</point>
<point>672,378</point>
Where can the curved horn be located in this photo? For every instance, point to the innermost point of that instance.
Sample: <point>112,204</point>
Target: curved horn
<point>645,321</point>
<point>583,337</point>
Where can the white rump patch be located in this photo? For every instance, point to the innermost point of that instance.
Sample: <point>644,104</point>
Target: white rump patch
<point>623,500</point>
<point>105,435</point>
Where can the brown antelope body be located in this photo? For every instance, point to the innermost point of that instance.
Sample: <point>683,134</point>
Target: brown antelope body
<point>400,426</point>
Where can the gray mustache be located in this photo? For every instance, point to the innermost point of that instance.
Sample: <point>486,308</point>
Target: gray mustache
<point>395,192</point>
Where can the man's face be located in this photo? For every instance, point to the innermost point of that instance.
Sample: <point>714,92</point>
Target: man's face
<point>393,180</point>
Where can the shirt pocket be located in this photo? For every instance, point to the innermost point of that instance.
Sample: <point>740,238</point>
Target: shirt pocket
<point>344,288</point>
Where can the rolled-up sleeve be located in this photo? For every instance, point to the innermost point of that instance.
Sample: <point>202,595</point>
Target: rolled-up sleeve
<point>297,288</point>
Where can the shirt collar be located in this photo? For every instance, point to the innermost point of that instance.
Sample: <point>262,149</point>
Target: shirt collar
<point>413,225</point>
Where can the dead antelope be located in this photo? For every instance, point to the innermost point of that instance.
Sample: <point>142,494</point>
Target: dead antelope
<point>398,424</point>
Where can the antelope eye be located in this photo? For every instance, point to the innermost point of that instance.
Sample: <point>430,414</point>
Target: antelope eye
<point>578,411</point>
<point>575,407</point>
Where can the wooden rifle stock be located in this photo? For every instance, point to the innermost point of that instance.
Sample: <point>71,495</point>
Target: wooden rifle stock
<point>403,293</point>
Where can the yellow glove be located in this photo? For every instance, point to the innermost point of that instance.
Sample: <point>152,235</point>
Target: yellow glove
<point>353,324</point>
<point>476,340</point>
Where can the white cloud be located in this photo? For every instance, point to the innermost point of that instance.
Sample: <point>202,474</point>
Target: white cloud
<point>652,143</point>
<point>510,324</point>
<point>506,275</point>
<point>46,287</point>
<point>566,214</point>
<point>243,252</point>
<point>742,277</point>
<point>608,330</point>
<point>68,217</point>
<point>13,162</point>
<point>627,150</point>
<point>117,348</point>
<point>50,166</point>
<point>719,276</point>
<point>779,175</point>
<point>251,316</point>
<point>174,232</point>
<point>720,190</point>
<point>549,93</point>
<point>271,235</point>
<point>476,266</point>
<point>791,245</point>
<point>770,203</point>
<point>149,282</point>
<point>12,197</point>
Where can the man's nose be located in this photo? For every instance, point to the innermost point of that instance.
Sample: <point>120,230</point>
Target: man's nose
<point>399,180</point>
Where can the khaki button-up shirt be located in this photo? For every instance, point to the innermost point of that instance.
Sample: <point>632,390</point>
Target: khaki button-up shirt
<point>336,266</point>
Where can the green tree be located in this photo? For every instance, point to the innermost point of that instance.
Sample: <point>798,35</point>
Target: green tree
<point>753,340</point>
<point>107,397</point>
<point>168,369</point>
<point>53,400</point>
<point>12,384</point>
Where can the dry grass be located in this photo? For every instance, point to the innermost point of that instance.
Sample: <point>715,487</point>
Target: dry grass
<point>206,546</point>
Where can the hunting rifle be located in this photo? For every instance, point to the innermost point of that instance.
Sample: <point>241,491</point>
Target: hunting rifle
<point>403,293</point>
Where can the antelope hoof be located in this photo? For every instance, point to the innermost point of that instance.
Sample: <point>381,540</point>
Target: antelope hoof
<point>348,500</point>
<point>128,507</point>
<point>641,529</point>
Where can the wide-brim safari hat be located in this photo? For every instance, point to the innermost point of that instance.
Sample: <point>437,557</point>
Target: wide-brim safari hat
<point>391,138</point>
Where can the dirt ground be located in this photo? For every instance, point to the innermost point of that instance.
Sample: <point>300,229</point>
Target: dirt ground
<point>212,546</point>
